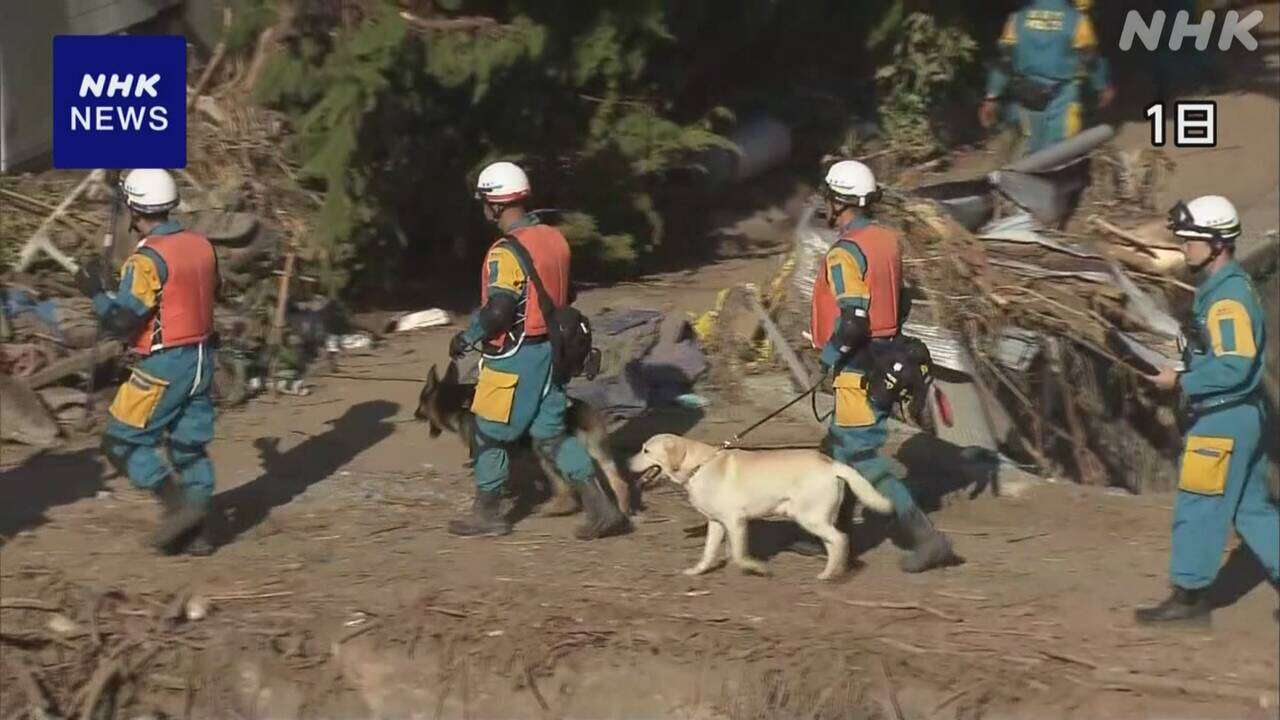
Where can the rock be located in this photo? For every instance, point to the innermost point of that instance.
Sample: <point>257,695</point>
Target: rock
<point>25,418</point>
<point>62,625</point>
<point>222,226</point>
<point>197,608</point>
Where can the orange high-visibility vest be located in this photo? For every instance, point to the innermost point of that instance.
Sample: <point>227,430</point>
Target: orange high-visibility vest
<point>184,312</point>
<point>550,254</point>
<point>883,277</point>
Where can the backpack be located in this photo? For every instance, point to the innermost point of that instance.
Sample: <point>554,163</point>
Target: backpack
<point>568,330</point>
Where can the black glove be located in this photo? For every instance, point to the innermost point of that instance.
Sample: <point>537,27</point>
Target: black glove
<point>458,346</point>
<point>89,277</point>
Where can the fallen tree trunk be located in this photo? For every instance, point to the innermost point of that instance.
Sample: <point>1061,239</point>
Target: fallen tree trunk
<point>103,352</point>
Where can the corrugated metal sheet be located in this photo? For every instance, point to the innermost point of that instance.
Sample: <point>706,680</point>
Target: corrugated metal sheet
<point>26,62</point>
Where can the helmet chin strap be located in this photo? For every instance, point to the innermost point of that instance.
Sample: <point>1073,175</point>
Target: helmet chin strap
<point>1216,248</point>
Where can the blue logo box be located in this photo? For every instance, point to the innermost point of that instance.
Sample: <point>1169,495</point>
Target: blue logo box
<point>119,101</point>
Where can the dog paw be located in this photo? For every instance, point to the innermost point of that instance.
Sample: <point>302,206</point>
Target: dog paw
<point>753,568</point>
<point>695,570</point>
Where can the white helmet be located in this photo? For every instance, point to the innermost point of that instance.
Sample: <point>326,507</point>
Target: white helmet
<point>150,191</point>
<point>1208,217</point>
<point>502,182</point>
<point>851,181</point>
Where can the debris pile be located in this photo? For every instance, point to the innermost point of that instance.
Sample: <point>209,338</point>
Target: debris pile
<point>1052,327</point>
<point>240,191</point>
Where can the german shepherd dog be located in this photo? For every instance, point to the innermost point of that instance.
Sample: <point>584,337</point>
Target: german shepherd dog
<point>445,404</point>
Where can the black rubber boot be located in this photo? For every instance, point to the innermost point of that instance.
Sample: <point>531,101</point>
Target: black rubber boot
<point>929,547</point>
<point>204,540</point>
<point>1181,605</point>
<point>485,518</point>
<point>180,517</point>
<point>603,517</point>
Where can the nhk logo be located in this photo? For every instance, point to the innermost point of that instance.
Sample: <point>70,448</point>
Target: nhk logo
<point>101,117</point>
<point>119,101</point>
<point>1234,29</point>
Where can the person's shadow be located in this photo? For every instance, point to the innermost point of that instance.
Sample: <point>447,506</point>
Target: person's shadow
<point>46,480</point>
<point>288,474</point>
<point>1238,576</point>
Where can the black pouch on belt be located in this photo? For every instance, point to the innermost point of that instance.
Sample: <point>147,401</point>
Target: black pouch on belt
<point>1033,94</point>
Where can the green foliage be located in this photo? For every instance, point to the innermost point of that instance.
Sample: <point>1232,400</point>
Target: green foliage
<point>927,58</point>
<point>395,125</point>
<point>248,18</point>
<point>606,104</point>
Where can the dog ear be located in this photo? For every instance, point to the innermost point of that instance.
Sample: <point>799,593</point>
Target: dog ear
<point>451,373</point>
<point>433,377</point>
<point>675,452</point>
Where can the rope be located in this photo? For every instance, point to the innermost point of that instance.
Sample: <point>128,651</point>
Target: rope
<point>737,437</point>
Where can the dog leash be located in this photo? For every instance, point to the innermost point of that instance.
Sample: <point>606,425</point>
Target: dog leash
<point>737,437</point>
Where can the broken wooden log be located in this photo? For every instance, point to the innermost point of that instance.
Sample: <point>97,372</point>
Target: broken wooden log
<point>798,372</point>
<point>34,245</point>
<point>77,362</point>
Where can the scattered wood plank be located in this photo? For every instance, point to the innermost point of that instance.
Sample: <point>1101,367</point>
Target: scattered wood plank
<point>475,22</point>
<point>533,688</point>
<point>214,61</point>
<point>26,604</point>
<point>1066,657</point>
<point>246,596</point>
<point>26,258</point>
<point>780,344</point>
<point>447,611</point>
<point>1151,683</point>
<point>77,362</point>
<point>895,606</point>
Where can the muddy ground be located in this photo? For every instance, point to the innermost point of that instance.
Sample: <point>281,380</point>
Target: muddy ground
<point>340,595</point>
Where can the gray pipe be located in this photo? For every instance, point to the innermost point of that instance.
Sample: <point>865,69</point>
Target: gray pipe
<point>764,142</point>
<point>1068,149</point>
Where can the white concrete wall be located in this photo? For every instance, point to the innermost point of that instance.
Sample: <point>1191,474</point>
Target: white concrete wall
<point>27,28</point>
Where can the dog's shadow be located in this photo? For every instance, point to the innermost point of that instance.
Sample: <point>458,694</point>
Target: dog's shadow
<point>768,538</point>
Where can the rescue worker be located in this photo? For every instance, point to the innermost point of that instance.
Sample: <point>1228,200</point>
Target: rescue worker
<point>857,310</point>
<point>164,309</point>
<point>1047,51</point>
<point>515,392</point>
<point>1223,475</point>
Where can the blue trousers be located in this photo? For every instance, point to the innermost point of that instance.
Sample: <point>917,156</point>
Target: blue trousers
<point>1223,482</point>
<point>1061,119</point>
<point>857,432</point>
<point>165,401</point>
<point>514,397</point>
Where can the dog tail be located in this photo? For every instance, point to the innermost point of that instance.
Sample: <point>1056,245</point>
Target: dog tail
<point>862,489</point>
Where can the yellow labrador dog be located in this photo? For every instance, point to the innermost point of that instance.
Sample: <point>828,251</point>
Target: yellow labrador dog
<point>731,487</point>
